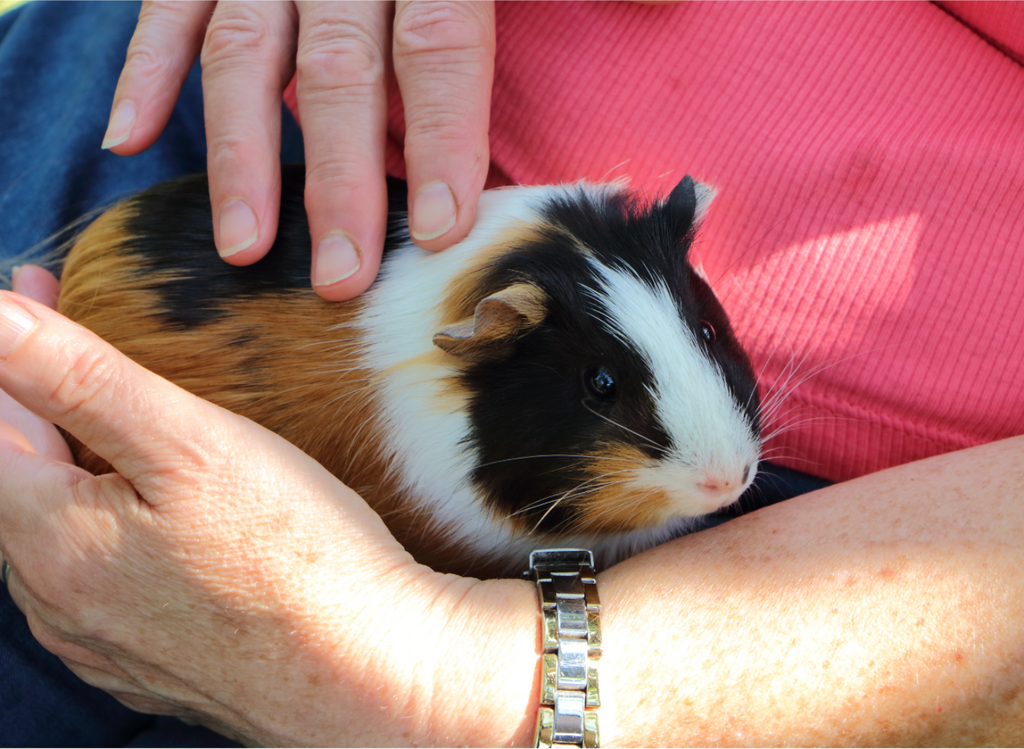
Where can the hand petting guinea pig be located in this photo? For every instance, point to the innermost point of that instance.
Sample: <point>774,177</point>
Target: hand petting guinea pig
<point>561,377</point>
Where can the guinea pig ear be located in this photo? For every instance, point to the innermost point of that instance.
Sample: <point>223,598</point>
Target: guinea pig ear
<point>689,201</point>
<point>498,320</point>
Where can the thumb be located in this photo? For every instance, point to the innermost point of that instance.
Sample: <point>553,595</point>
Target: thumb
<point>132,418</point>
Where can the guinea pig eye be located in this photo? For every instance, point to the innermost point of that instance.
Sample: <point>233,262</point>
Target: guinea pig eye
<point>708,331</point>
<point>600,382</point>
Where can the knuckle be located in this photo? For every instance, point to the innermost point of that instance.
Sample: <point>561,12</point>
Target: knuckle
<point>90,374</point>
<point>450,29</point>
<point>144,704</point>
<point>441,122</point>
<point>143,60</point>
<point>230,151</point>
<point>54,627</point>
<point>335,178</point>
<point>339,55</point>
<point>436,129</point>
<point>239,33</point>
<point>240,160</point>
<point>331,178</point>
<point>59,592</point>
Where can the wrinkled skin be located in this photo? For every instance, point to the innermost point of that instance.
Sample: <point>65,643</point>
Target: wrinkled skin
<point>442,54</point>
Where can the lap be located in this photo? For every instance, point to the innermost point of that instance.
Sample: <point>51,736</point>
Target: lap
<point>59,64</point>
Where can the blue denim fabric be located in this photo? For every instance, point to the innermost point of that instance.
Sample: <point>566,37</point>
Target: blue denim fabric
<point>59,64</point>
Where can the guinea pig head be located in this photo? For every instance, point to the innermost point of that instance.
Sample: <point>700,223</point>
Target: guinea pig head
<point>606,389</point>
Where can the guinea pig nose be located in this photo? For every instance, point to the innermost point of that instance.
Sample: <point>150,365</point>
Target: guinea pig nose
<point>713,488</point>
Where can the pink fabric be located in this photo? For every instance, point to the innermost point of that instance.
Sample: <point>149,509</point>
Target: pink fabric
<point>868,238</point>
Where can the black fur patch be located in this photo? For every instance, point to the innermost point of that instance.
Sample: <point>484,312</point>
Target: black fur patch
<point>532,412</point>
<point>170,231</point>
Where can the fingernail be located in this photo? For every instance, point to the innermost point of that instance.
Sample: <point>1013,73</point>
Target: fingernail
<point>337,258</point>
<point>122,120</point>
<point>433,211</point>
<point>15,272</point>
<point>15,324</point>
<point>238,228</point>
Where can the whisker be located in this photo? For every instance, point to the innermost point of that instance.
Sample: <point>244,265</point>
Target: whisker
<point>554,455</point>
<point>556,503</point>
<point>786,387</point>
<point>760,375</point>
<point>649,441</point>
<point>796,459</point>
<point>782,388</point>
<point>540,502</point>
<point>604,177</point>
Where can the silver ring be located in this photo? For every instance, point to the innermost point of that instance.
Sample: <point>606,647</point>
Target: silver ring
<point>6,573</point>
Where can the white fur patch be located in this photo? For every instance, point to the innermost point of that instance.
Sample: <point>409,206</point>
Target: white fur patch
<point>427,424</point>
<point>705,194</point>
<point>713,443</point>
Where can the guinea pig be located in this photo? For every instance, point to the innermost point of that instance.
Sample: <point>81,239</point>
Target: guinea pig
<point>562,376</point>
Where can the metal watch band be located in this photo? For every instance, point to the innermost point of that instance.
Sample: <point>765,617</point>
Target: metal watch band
<point>571,633</point>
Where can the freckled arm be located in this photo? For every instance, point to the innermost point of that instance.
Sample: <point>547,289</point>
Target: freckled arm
<point>882,611</point>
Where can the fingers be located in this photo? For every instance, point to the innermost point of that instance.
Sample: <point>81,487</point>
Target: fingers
<point>21,424</point>
<point>36,283</point>
<point>33,503</point>
<point>248,57</point>
<point>9,431</point>
<point>165,44</point>
<point>32,432</point>
<point>444,61</point>
<point>341,64</point>
<point>248,54</point>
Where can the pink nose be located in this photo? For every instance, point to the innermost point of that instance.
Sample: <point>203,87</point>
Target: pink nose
<point>718,487</point>
<point>715,488</point>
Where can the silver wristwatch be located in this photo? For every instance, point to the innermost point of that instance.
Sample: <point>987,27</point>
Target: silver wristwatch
<point>571,634</point>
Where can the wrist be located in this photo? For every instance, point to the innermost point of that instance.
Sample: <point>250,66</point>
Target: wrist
<point>482,671</point>
<point>427,659</point>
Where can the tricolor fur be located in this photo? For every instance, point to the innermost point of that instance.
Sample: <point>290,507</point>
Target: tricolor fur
<point>551,379</point>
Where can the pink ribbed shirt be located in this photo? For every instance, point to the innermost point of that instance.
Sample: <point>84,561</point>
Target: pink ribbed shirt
<point>868,237</point>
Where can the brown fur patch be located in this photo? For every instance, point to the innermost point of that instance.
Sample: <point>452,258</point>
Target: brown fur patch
<point>621,502</point>
<point>466,291</point>
<point>291,362</point>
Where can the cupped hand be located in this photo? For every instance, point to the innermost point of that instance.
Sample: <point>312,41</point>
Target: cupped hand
<point>443,57</point>
<point>221,573</point>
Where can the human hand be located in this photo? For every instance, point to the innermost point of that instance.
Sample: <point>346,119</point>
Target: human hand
<point>443,57</point>
<point>222,574</point>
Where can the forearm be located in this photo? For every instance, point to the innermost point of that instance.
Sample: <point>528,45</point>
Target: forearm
<point>880,611</point>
